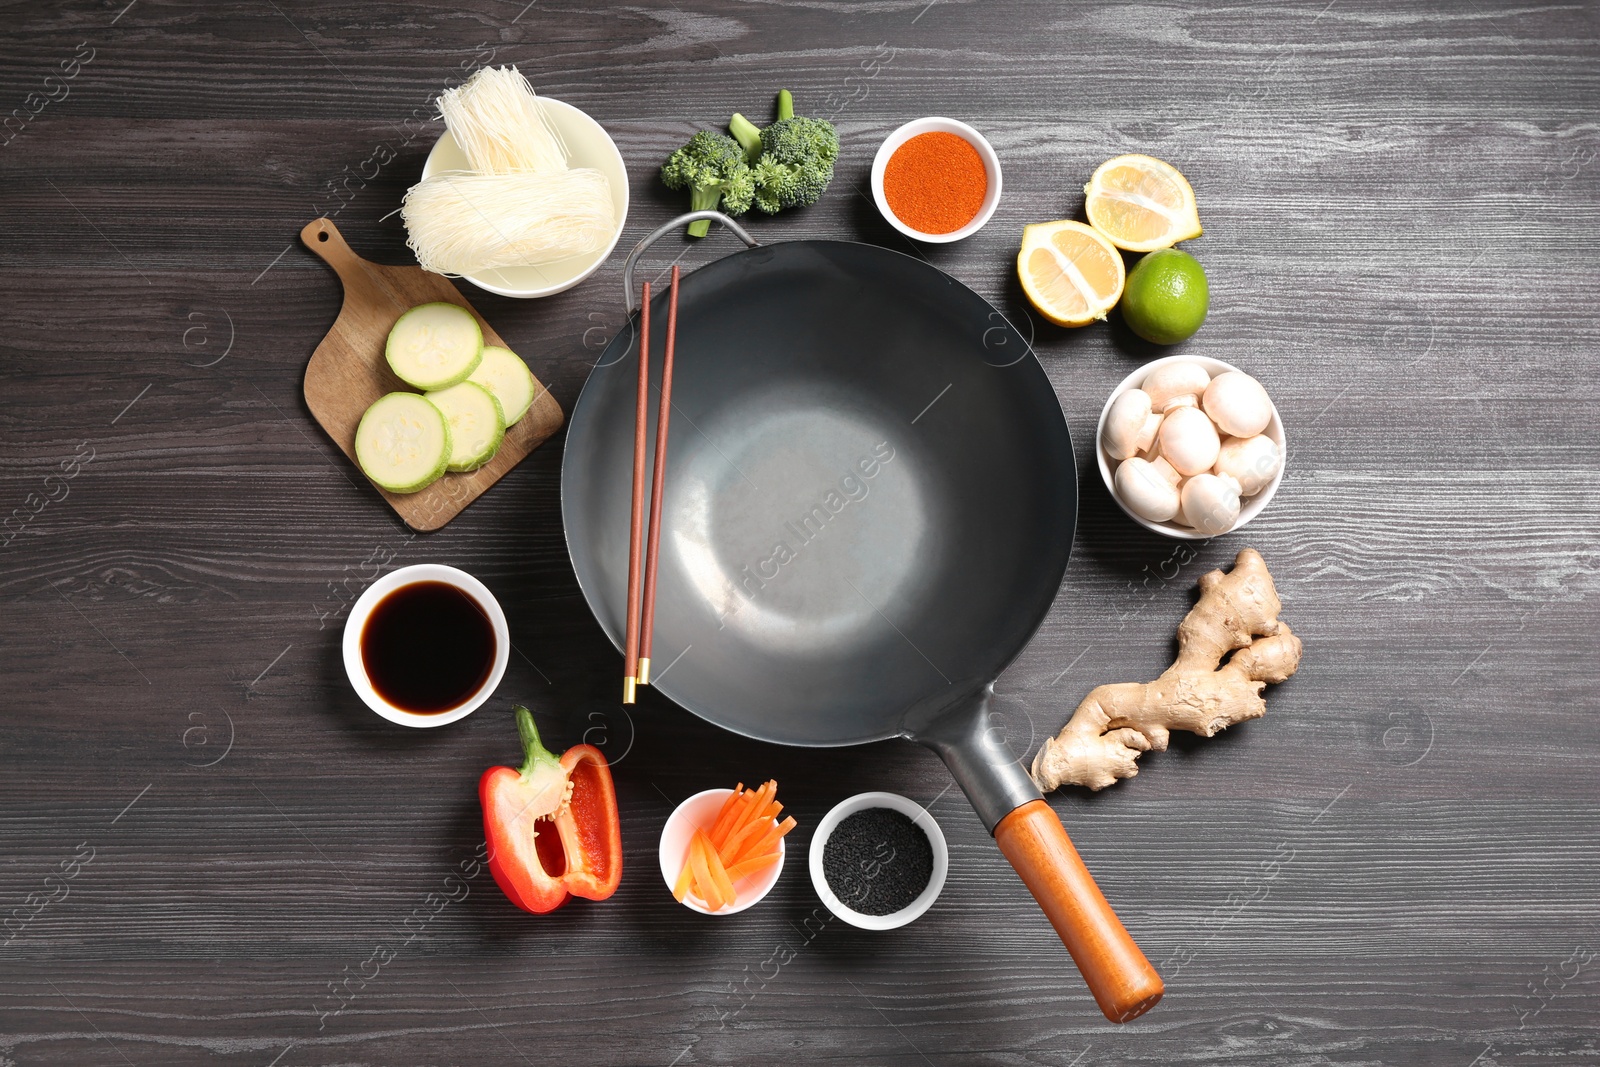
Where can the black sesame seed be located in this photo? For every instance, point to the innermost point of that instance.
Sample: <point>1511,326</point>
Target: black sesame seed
<point>877,861</point>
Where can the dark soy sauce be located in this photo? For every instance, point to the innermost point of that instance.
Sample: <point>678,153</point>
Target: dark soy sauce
<point>427,647</point>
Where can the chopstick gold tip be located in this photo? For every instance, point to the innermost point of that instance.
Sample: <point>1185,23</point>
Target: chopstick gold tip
<point>644,670</point>
<point>627,690</point>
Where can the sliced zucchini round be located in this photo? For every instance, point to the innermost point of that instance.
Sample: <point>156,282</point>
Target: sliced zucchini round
<point>504,374</point>
<point>477,424</point>
<point>403,442</point>
<point>434,346</point>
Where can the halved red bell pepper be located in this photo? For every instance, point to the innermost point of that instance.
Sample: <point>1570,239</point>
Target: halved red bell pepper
<point>551,824</point>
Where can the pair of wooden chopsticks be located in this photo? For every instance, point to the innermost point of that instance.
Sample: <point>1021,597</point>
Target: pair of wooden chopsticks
<point>642,611</point>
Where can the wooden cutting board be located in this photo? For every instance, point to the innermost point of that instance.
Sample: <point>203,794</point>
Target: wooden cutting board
<point>348,372</point>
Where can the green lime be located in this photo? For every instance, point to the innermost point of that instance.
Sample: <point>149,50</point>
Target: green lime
<point>1166,297</point>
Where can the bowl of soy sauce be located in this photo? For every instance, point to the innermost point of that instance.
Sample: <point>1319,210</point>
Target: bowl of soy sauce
<point>426,645</point>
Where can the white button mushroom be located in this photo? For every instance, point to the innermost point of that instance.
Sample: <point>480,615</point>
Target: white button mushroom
<point>1210,503</point>
<point>1150,490</point>
<point>1237,404</point>
<point>1189,441</point>
<point>1130,425</point>
<point>1251,461</point>
<point>1166,384</point>
<point>1165,470</point>
<point>1182,400</point>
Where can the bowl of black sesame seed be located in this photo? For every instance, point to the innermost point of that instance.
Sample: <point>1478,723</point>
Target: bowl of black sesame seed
<point>878,860</point>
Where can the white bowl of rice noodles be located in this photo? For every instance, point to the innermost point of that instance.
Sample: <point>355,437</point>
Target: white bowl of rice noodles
<point>532,207</point>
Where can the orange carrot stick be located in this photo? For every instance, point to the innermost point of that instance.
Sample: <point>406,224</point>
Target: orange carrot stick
<point>758,802</point>
<point>767,842</point>
<point>725,815</point>
<point>768,790</point>
<point>719,874</point>
<point>741,815</point>
<point>752,865</point>
<point>732,812</point>
<point>758,799</point>
<point>685,880</point>
<point>699,848</point>
<point>739,842</point>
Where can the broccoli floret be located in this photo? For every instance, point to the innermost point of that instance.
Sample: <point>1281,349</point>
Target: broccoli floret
<point>712,167</point>
<point>796,160</point>
<point>784,185</point>
<point>811,142</point>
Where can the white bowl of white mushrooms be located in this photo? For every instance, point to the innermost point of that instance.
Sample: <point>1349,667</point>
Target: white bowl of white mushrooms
<point>1190,447</point>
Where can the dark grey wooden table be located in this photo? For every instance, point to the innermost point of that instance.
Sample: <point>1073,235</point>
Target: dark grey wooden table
<point>211,853</point>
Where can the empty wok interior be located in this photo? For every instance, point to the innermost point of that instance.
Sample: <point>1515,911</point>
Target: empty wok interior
<point>870,497</point>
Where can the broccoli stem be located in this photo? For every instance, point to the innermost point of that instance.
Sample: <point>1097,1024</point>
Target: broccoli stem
<point>785,105</point>
<point>703,200</point>
<point>747,134</point>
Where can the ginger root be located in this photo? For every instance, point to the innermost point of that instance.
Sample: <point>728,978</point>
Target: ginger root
<point>1237,613</point>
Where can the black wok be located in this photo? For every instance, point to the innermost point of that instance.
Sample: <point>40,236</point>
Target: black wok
<point>871,497</point>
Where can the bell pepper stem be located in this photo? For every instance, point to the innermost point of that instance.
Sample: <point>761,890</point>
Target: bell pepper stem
<point>533,749</point>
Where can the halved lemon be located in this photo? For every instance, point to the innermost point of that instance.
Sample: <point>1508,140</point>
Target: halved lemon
<point>1070,271</point>
<point>1141,203</point>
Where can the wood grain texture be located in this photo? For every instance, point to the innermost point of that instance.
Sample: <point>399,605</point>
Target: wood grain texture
<point>1399,864</point>
<point>348,372</point>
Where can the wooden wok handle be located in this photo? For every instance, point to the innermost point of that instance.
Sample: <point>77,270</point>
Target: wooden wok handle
<point>1121,979</point>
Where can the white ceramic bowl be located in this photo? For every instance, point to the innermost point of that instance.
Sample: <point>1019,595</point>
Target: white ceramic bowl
<point>701,811</point>
<point>588,145</point>
<point>935,124</point>
<point>918,815</point>
<point>1249,507</point>
<point>362,610</point>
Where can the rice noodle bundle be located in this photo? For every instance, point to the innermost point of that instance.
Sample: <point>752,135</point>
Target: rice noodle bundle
<point>496,118</point>
<point>464,223</point>
<point>519,205</point>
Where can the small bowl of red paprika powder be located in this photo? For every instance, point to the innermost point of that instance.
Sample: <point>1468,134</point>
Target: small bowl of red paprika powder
<point>936,180</point>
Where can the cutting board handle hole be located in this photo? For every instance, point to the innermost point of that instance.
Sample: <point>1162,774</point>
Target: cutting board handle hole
<point>322,235</point>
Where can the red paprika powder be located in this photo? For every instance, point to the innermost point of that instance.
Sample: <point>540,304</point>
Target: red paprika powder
<point>935,182</point>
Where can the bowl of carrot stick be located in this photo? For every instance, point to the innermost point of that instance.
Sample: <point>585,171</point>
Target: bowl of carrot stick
<point>722,849</point>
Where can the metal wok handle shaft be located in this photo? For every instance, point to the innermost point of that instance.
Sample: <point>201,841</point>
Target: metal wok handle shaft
<point>1031,836</point>
<point>630,295</point>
